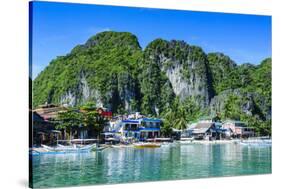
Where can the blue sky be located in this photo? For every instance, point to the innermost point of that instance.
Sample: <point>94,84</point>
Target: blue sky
<point>58,27</point>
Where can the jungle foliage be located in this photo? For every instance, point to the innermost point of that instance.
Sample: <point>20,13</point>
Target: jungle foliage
<point>126,79</point>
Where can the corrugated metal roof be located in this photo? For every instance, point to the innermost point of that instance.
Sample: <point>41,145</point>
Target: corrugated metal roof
<point>201,128</point>
<point>203,125</point>
<point>198,131</point>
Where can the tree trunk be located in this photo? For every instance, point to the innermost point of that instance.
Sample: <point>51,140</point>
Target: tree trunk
<point>70,133</point>
<point>64,133</point>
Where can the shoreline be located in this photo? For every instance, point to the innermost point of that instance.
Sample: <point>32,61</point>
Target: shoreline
<point>247,142</point>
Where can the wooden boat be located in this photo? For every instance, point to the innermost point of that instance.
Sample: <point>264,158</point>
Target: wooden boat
<point>147,145</point>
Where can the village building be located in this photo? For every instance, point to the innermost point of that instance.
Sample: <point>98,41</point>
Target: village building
<point>187,133</point>
<point>238,129</point>
<point>140,129</point>
<point>43,123</point>
<point>49,112</point>
<point>176,134</point>
<point>114,125</point>
<point>105,113</point>
<point>150,128</point>
<point>203,130</point>
<point>43,131</point>
<point>208,131</point>
<point>130,128</point>
<point>136,115</point>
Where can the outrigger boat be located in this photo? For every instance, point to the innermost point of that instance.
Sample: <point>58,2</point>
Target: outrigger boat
<point>186,140</point>
<point>76,146</point>
<point>73,148</point>
<point>147,145</point>
<point>256,142</point>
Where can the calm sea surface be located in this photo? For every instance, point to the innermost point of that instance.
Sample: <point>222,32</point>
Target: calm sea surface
<point>175,161</point>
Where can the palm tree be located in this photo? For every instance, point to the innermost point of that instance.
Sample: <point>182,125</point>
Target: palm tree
<point>180,114</point>
<point>181,119</point>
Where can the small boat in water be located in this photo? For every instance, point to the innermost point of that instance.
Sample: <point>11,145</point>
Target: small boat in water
<point>99,148</point>
<point>121,146</point>
<point>147,145</point>
<point>72,148</point>
<point>256,142</point>
<point>186,140</point>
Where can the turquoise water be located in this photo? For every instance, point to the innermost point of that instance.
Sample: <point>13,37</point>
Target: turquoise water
<point>123,165</point>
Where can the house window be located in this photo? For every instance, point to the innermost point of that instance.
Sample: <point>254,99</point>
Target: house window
<point>127,126</point>
<point>147,124</point>
<point>134,127</point>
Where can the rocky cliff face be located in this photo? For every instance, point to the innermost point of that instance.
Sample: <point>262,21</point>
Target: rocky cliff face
<point>247,103</point>
<point>246,87</point>
<point>82,95</point>
<point>102,70</point>
<point>184,66</point>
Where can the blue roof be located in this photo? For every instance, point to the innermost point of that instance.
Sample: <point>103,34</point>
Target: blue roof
<point>130,121</point>
<point>151,120</point>
<point>219,130</point>
<point>149,129</point>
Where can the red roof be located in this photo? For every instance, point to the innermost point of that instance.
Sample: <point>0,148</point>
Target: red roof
<point>106,114</point>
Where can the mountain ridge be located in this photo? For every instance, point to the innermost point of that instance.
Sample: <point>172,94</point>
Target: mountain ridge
<point>112,70</point>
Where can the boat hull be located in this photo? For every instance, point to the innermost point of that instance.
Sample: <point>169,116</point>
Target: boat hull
<point>66,149</point>
<point>147,145</point>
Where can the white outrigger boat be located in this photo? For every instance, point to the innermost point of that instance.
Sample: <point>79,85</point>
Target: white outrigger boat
<point>72,148</point>
<point>76,146</point>
<point>186,140</point>
<point>257,142</point>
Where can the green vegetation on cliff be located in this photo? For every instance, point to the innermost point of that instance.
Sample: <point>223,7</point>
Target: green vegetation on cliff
<point>171,79</point>
<point>104,69</point>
